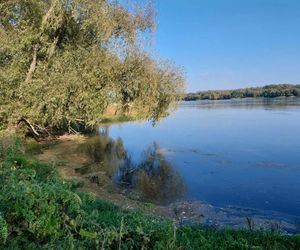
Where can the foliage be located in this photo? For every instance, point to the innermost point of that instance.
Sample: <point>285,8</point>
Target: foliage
<point>63,63</point>
<point>195,238</point>
<point>39,210</point>
<point>266,91</point>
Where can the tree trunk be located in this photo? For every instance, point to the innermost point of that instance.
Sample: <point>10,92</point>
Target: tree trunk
<point>32,65</point>
<point>35,48</point>
<point>48,14</point>
<point>52,48</point>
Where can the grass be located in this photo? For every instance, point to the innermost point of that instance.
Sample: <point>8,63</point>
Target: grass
<point>40,210</point>
<point>118,119</point>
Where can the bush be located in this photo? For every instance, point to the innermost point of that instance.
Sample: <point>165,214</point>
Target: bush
<point>39,209</point>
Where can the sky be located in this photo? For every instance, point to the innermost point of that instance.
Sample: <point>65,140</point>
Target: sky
<point>225,44</point>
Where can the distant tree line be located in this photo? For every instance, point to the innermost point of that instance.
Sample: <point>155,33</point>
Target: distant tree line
<point>274,90</point>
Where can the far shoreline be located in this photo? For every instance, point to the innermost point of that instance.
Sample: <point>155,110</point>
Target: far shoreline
<point>268,91</point>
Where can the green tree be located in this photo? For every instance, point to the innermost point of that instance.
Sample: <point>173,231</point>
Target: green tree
<point>63,63</point>
<point>268,91</point>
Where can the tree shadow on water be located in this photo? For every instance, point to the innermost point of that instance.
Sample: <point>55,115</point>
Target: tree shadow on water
<point>153,176</point>
<point>104,155</point>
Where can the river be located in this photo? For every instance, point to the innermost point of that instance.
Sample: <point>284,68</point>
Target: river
<point>241,153</point>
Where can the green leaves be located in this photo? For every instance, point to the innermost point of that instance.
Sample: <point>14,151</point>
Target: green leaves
<point>87,234</point>
<point>66,61</point>
<point>45,209</point>
<point>3,229</point>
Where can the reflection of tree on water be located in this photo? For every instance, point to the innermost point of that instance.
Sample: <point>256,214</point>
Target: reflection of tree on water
<point>153,176</point>
<point>104,154</point>
<point>104,130</point>
<point>126,172</point>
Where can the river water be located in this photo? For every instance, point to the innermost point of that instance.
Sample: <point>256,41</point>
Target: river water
<point>241,153</point>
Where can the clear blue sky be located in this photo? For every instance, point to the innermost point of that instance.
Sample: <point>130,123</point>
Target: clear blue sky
<point>225,44</point>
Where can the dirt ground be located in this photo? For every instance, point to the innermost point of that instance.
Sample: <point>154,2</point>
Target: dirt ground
<point>68,158</point>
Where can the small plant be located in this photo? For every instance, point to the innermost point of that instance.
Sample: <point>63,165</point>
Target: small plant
<point>275,227</point>
<point>250,223</point>
<point>297,225</point>
<point>33,147</point>
<point>9,145</point>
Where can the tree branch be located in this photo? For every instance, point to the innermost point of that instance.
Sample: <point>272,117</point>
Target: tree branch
<point>53,47</point>
<point>35,48</point>
<point>32,65</point>
<point>48,14</point>
<point>29,125</point>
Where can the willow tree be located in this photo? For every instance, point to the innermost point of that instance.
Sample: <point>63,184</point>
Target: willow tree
<point>63,63</point>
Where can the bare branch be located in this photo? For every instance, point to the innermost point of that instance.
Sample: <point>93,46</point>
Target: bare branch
<point>29,125</point>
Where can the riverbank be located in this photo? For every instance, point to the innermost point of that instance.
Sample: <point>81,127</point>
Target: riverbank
<point>73,163</point>
<point>42,210</point>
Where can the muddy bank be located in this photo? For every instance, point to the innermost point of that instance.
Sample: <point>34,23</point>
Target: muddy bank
<point>74,162</point>
<point>71,162</point>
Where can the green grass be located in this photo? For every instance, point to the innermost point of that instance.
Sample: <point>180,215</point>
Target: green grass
<point>39,210</point>
<point>33,147</point>
<point>116,119</point>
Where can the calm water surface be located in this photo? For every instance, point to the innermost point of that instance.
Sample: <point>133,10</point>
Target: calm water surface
<point>243,153</point>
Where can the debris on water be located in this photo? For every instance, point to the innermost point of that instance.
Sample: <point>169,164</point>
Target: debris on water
<point>196,212</point>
